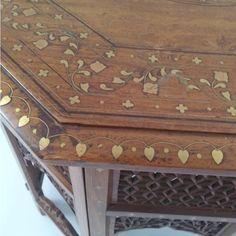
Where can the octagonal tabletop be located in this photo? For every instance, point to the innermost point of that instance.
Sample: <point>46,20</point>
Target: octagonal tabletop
<point>166,65</point>
<point>124,63</point>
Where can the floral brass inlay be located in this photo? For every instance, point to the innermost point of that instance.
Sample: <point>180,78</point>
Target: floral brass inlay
<point>181,108</point>
<point>41,44</point>
<point>102,71</point>
<point>82,146</point>
<point>17,47</point>
<point>196,60</point>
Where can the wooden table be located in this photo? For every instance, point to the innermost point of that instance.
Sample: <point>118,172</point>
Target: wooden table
<point>128,106</point>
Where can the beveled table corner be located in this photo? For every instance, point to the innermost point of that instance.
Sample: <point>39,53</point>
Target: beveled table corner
<point>95,92</point>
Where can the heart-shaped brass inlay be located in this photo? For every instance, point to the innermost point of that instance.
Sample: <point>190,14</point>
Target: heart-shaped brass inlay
<point>218,156</point>
<point>183,156</point>
<point>24,120</point>
<point>149,153</point>
<point>43,143</point>
<point>117,150</point>
<point>81,148</point>
<point>5,100</point>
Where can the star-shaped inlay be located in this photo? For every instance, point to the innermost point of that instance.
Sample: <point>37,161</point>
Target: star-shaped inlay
<point>196,60</point>
<point>58,17</point>
<point>182,108</point>
<point>232,111</point>
<point>83,35</point>
<point>43,73</point>
<point>110,54</point>
<point>128,104</point>
<point>74,100</point>
<point>153,59</point>
<point>17,47</point>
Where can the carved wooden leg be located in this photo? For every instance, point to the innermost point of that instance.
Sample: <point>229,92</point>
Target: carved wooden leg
<point>34,179</point>
<point>33,176</point>
<point>56,216</point>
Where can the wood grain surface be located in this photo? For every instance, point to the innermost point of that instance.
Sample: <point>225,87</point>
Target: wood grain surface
<point>132,148</point>
<point>132,84</point>
<point>163,65</point>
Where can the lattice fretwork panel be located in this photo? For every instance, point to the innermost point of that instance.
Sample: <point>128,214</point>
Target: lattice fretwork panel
<point>190,191</point>
<point>64,170</point>
<point>205,228</point>
<point>29,159</point>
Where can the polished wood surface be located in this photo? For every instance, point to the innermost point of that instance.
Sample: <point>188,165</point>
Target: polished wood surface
<point>78,79</point>
<point>100,95</point>
<point>166,25</point>
<point>114,147</point>
<point>72,53</point>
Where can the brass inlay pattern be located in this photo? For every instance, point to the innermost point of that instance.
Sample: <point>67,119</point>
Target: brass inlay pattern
<point>82,146</point>
<point>82,73</point>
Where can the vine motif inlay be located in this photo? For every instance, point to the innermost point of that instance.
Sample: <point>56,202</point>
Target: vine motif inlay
<point>82,146</point>
<point>81,73</point>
